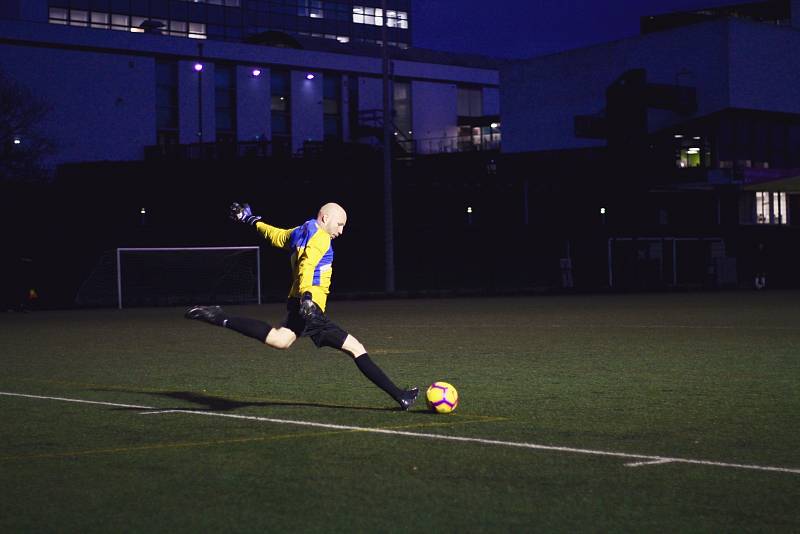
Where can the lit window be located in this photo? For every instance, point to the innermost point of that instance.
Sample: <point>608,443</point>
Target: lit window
<point>99,20</point>
<point>58,15</point>
<point>397,19</point>
<point>358,14</point>
<point>402,20</point>
<point>310,8</point>
<point>197,30</point>
<point>135,23</point>
<point>771,207</point>
<point>368,15</point>
<point>120,22</point>
<point>78,17</point>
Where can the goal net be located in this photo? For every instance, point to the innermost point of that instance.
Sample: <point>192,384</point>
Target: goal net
<point>130,277</point>
<point>658,262</point>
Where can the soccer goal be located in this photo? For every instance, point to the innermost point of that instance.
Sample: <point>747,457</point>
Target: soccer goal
<point>653,262</point>
<point>130,277</point>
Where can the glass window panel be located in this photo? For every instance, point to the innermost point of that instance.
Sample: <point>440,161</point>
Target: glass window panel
<point>330,107</point>
<point>280,83</point>
<point>779,208</point>
<point>120,21</point>
<point>58,13</point>
<point>463,103</point>
<point>762,207</point>
<point>476,103</point>
<point>279,103</point>
<point>332,128</point>
<point>78,17</point>
<point>331,85</point>
<point>224,119</point>
<point>99,20</point>
<point>280,124</point>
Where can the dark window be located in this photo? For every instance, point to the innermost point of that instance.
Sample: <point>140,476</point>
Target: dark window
<point>166,96</point>
<point>332,106</point>
<point>281,104</point>
<point>402,108</point>
<point>225,100</point>
<point>470,102</point>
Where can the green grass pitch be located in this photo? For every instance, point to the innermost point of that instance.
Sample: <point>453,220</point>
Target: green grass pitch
<point>668,412</point>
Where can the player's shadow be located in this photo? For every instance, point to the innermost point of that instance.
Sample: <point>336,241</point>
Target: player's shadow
<point>212,403</point>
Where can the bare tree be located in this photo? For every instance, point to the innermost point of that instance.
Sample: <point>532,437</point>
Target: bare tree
<point>22,147</point>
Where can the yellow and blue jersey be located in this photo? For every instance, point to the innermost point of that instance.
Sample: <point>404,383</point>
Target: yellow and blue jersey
<point>312,257</point>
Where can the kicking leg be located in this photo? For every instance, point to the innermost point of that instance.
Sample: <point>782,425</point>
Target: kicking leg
<point>279,338</point>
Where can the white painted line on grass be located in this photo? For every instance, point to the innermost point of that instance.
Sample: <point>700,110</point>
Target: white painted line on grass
<point>653,462</point>
<point>78,400</point>
<point>645,458</point>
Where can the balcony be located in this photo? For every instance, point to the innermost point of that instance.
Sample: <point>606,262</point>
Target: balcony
<point>218,151</point>
<point>460,143</point>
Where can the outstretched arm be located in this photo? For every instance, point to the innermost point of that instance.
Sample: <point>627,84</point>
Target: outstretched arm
<point>278,237</point>
<point>242,213</point>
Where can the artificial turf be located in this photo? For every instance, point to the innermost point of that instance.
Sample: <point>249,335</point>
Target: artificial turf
<point>695,376</point>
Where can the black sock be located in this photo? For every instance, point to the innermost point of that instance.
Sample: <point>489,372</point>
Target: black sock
<point>249,327</point>
<point>373,372</point>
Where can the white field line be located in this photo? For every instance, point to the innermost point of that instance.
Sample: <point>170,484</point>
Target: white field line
<point>663,326</point>
<point>653,462</point>
<point>644,458</point>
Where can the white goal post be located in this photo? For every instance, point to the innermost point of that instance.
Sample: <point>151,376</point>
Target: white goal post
<point>233,278</point>
<point>669,261</point>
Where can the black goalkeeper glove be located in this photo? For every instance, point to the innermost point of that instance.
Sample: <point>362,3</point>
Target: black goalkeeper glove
<point>308,310</point>
<point>243,213</point>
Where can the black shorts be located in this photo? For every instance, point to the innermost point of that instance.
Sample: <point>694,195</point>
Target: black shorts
<point>322,331</point>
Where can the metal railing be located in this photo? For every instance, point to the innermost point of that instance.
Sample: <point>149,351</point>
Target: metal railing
<point>218,150</point>
<point>461,143</point>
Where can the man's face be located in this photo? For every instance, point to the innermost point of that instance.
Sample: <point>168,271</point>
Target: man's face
<point>334,222</point>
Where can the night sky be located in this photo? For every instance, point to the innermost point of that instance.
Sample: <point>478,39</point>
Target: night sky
<point>527,28</point>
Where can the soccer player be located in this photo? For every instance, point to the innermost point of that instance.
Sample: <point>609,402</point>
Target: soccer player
<point>312,265</point>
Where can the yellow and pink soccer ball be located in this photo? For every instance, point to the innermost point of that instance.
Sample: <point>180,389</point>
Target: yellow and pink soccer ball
<point>441,397</point>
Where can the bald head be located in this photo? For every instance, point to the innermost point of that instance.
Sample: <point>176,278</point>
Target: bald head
<point>332,218</point>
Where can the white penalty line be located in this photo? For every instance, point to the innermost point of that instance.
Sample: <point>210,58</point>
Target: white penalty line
<point>644,459</point>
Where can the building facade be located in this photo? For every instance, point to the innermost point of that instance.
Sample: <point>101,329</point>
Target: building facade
<point>114,94</point>
<point>344,21</point>
<point>687,136</point>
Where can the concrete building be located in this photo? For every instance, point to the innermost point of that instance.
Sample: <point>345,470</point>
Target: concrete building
<point>690,130</point>
<point>178,73</point>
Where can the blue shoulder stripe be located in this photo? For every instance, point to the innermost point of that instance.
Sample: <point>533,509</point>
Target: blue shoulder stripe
<point>301,234</point>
